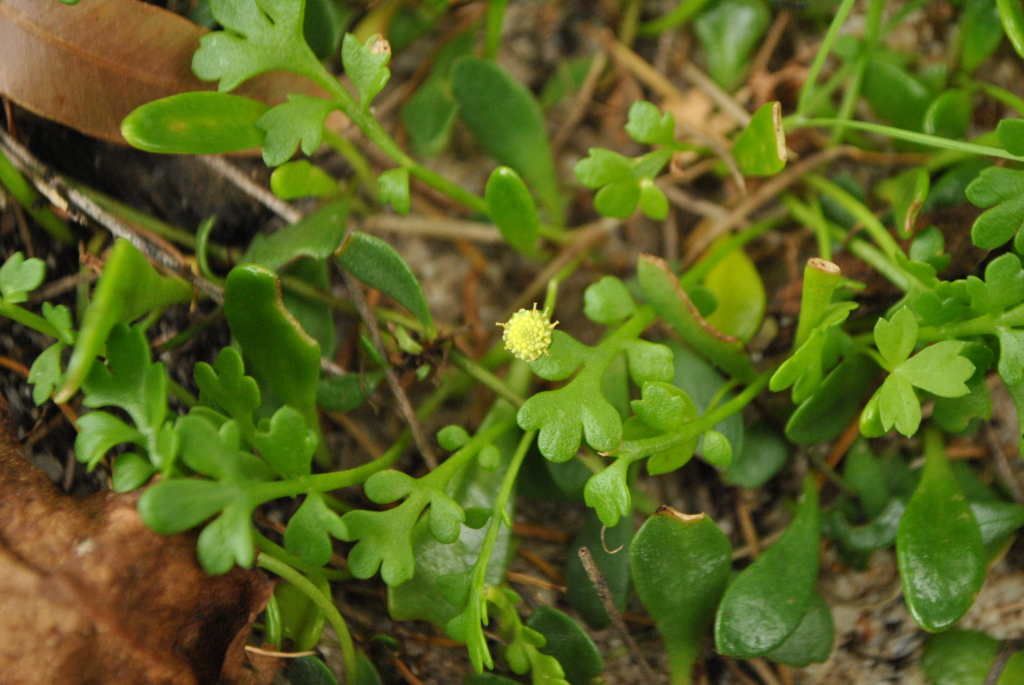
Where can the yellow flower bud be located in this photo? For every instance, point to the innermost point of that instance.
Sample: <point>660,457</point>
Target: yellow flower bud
<point>528,334</point>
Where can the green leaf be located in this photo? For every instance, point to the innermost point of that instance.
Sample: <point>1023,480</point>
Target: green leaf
<point>508,122</point>
<point>671,302</point>
<point>1002,288</point>
<point>568,643</point>
<point>1012,16</point>
<point>896,337</point>
<point>949,115</point>
<point>955,414</point>
<point>300,121</point>
<point>309,670</point>
<point>1003,191</point>
<point>128,288</point>
<point>907,193</point>
<point>323,25</point>
<point>811,642</point>
<point>760,150</point>
<point>716,450</point>
<point>601,167</point>
<point>130,472</point>
<point>608,301</point>
<point>646,124</point>
<point>428,117</point>
<point>316,235</point>
<point>98,432</point>
<point>19,277</point>
<point>769,599</point>
<point>45,373</point>
<point>939,547</point>
<point>512,209</point>
<point>653,202</point>
<point>739,290</point>
<point>130,381</point>
<point>175,505</point>
<point>607,547</point>
<point>958,657</point>
<point>664,407</point>
<point>1011,135</point>
<point>728,31</point>
<point>198,123</point>
<point>373,262</point>
<point>258,36</point>
<point>302,179</point>
<point>895,95</point>
<point>876,534</point>
<point>764,453</point>
<point>307,535</point>
<point>366,65</point>
<point>227,540</point>
<point>393,185</point>
<point>225,387</point>
<point>619,199</point>
<point>286,443</point>
<point>939,369</point>
<point>836,402</point>
<point>681,566</point>
<point>345,393</point>
<point>981,32</point>
<point>280,352</point>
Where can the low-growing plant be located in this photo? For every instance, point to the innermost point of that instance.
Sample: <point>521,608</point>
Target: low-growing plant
<point>670,378</point>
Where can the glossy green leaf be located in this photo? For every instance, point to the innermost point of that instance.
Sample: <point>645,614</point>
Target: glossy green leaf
<point>130,472</point>
<point>611,558</point>
<point>981,32</point>
<point>958,657</point>
<point>508,122</point>
<point>760,150</point>
<point>653,202</point>
<point>716,450</point>
<point>740,293</point>
<point>323,25</point>
<point>280,352</point>
<point>128,288</point>
<point>373,262</point>
<point>878,533</point>
<point>567,642</point>
<point>198,123</point>
<point>512,209</point>
<point>393,185</point>
<point>672,303</point>
<point>681,565</point>
<point>939,547</point>
<point>728,31</point>
<point>302,179</point>
<point>309,670</point>
<point>769,599</point>
<point>1012,15</point>
<point>1001,190</point>
<point>949,115</point>
<point>826,413</point>
<point>366,65</point>
<point>764,453</point>
<point>811,642</point>
<point>702,383</point>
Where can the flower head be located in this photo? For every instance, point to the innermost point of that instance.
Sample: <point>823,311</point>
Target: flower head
<point>528,334</point>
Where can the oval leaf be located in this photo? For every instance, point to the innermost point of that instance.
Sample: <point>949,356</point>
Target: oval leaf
<point>197,123</point>
<point>761,149</point>
<point>512,209</point>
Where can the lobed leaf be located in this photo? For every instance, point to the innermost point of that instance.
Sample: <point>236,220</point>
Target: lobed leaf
<point>300,121</point>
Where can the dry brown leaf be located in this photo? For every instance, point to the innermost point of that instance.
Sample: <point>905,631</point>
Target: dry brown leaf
<point>88,65</point>
<point>88,594</point>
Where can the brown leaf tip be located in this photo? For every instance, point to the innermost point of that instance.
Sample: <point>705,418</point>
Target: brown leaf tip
<point>665,510</point>
<point>824,265</point>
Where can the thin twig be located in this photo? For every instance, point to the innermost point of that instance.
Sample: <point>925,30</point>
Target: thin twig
<point>251,188</point>
<point>1009,648</point>
<point>355,291</point>
<point>279,655</point>
<point>79,206</point>
<point>601,586</point>
<point>61,286</point>
<point>1003,467</point>
<point>759,64</point>
<point>581,101</point>
<point>746,522</point>
<point>356,432</point>
<point>524,579</point>
<point>695,205</point>
<point>586,237</point>
<point>766,192</point>
<point>762,669</point>
<point>715,93</point>
<point>434,227</point>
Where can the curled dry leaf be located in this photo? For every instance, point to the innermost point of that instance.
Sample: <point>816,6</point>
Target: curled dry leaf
<point>88,594</point>
<point>88,65</point>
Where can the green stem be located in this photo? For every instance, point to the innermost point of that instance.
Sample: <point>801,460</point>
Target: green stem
<point>874,258</point>
<point>634,450</point>
<point>29,198</point>
<point>874,20</point>
<point>823,52</point>
<point>682,13</point>
<point>495,18</point>
<point>33,321</point>
<point>485,378</point>
<point>183,395</point>
<point>273,549</point>
<point>325,604</point>
<point>871,224</point>
<point>820,281</point>
<point>909,136</point>
<point>373,130</point>
<point>807,215</point>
